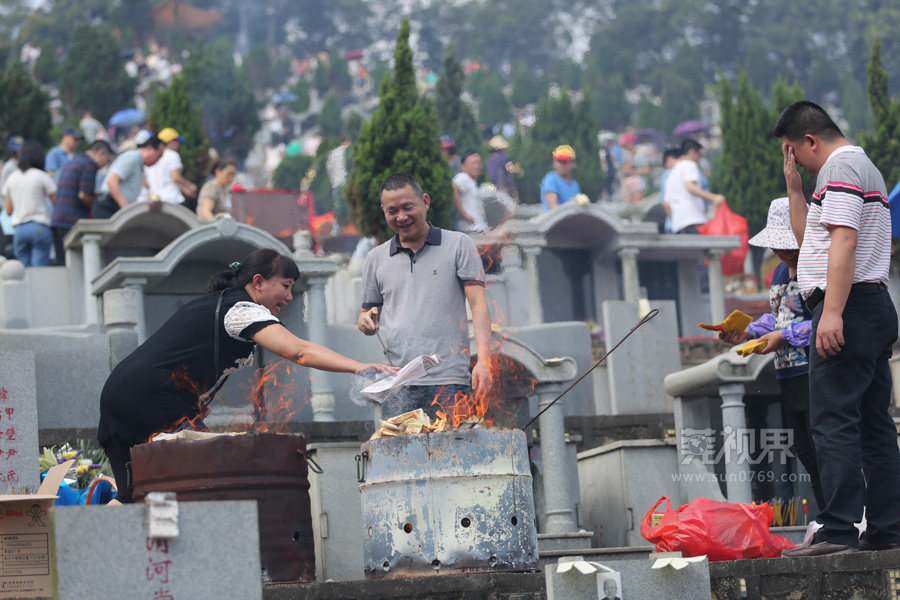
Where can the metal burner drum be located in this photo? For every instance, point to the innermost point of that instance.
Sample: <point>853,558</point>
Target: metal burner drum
<point>267,467</point>
<point>451,502</point>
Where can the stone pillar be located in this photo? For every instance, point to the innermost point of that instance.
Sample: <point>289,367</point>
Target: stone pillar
<point>92,263</point>
<point>716,287</point>
<point>120,307</point>
<point>630,281</point>
<point>558,505</point>
<point>734,443</point>
<point>136,284</point>
<point>15,310</point>
<point>322,400</point>
<point>535,308</point>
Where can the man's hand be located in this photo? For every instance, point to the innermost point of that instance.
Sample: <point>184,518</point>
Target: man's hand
<point>717,199</point>
<point>791,175</point>
<point>481,377</point>
<point>734,337</point>
<point>368,321</point>
<point>829,334</point>
<point>774,341</point>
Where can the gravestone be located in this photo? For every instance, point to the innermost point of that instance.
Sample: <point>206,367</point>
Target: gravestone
<point>19,472</point>
<point>636,369</point>
<point>103,552</point>
<point>638,580</point>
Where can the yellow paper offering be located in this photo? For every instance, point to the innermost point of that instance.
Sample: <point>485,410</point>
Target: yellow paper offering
<point>751,347</point>
<point>736,321</point>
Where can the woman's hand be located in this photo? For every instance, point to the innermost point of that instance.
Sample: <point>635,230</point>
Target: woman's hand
<point>378,369</point>
<point>774,342</point>
<point>734,337</point>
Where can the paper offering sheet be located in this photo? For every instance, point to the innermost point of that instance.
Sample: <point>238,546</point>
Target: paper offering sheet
<point>385,388</point>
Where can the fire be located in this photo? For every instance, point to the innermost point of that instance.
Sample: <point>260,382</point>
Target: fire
<point>270,414</point>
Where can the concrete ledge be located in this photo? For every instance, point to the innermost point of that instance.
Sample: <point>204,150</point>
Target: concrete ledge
<point>862,575</point>
<point>475,586</point>
<point>548,542</point>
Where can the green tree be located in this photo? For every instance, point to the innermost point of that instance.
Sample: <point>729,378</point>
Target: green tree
<point>24,106</point>
<point>257,64</point>
<point>883,144</point>
<point>493,106</point>
<point>93,75</point>
<point>401,136</point>
<point>558,122</point>
<point>526,89</point>
<point>46,67</point>
<point>749,171</point>
<point>330,124</point>
<point>225,95</point>
<point>301,90</point>
<point>454,115</point>
<point>173,108</point>
<point>291,171</point>
<point>611,109</point>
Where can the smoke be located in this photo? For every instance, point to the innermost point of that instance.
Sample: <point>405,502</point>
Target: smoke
<point>361,381</point>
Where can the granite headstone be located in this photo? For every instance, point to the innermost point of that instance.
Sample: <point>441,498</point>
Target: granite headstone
<point>19,471</point>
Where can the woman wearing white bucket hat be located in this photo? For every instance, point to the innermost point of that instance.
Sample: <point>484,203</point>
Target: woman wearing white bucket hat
<point>786,331</point>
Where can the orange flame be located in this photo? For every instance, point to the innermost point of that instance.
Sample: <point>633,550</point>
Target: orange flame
<point>271,414</point>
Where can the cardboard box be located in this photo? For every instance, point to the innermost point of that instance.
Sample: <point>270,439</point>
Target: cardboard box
<point>26,561</point>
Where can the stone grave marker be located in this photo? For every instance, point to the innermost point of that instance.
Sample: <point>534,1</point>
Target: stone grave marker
<point>637,367</point>
<point>104,552</point>
<point>19,472</point>
<point>638,580</point>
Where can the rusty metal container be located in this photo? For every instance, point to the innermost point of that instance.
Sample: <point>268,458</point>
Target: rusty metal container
<point>267,467</point>
<point>451,502</point>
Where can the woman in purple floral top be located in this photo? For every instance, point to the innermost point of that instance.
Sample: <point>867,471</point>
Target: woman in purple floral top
<point>787,330</point>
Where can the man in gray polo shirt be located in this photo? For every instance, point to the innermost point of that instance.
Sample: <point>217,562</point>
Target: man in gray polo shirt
<point>415,288</point>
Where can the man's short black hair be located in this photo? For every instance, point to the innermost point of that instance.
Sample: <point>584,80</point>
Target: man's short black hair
<point>670,153</point>
<point>100,145</point>
<point>398,181</point>
<point>467,155</point>
<point>805,117</point>
<point>690,144</point>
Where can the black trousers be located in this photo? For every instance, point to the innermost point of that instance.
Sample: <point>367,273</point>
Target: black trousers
<point>855,436</point>
<point>795,412</point>
<point>119,453</point>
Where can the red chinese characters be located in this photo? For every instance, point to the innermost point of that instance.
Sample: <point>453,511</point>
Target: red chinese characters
<point>157,571</point>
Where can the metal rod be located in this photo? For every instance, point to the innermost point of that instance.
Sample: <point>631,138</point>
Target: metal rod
<point>646,318</point>
<point>383,347</point>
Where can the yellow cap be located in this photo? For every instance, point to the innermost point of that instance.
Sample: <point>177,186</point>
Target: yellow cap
<point>168,134</point>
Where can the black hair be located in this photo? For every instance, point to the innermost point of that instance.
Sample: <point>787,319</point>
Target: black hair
<point>263,261</point>
<point>690,144</point>
<point>398,181</point>
<point>154,143</point>
<point>101,145</point>
<point>222,163</point>
<point>671,153</point>
<point>804,117</point>
<point>31,156</point>
<point>467,155</point>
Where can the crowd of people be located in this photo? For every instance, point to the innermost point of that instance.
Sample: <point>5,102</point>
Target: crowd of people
<point>43,194</point>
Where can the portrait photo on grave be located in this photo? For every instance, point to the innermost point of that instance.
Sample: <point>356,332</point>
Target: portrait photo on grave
<point>609,586</point>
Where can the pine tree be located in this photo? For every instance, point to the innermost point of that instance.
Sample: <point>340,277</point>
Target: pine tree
<point>93,75</point>
<point>526,88</point>
<point>401,136</point>
<point>493,107</point>
<point>882,145</point>
<point>749,170</point>
<point>330,124</point>
<point>454,115</point>
<point>173,108</point>
<point>24,106</point>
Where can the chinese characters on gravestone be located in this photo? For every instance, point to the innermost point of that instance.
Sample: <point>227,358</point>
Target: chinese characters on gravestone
<point>19,473</point>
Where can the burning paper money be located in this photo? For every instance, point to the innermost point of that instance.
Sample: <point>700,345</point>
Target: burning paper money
<point>388,387</point>
<point>416,421</point>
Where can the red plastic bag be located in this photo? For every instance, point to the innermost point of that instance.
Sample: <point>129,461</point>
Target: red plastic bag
<point>720,530</point>
<point>725,222</point>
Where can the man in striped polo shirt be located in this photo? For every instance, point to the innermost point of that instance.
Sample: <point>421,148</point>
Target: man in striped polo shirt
<point>845,246</point>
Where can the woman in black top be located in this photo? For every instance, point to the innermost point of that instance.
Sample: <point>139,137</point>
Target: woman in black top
<point>167,377</point>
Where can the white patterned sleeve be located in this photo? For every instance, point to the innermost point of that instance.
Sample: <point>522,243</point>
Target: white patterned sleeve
<point>244,315</point>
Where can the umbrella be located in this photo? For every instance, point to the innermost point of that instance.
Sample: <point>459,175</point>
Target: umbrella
<point>284,98</point>
<point>127,118</point>
<point>688,128</point>
<point>894,200</point>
